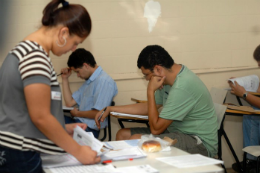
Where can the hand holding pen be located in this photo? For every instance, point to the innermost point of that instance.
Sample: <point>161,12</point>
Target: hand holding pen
<point>66,72</point>
<point>100,117</point>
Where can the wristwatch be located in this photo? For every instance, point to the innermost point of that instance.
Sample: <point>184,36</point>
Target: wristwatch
<point>245,95</point>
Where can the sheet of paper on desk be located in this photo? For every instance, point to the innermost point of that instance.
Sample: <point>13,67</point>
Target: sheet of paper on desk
<point>67,108</point>
<point>192,160</point>
<point>134,152</point>
<point>117,145</point>
<point>137,169</point>
<point>129,115</point>
<point>85,169</point>
<point>52,161</point>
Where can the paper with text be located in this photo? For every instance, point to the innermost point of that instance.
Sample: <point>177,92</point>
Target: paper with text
<point>186,161</point>
<point>85,169</point>
<point>250,83</point>
<point>138,169</point>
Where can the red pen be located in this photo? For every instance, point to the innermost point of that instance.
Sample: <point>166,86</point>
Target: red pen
<point>106,161</point>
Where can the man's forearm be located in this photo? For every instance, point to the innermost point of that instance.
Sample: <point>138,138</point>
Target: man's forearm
<point>153,113</point>
<point>253,100</point>
<point>67,94</point>
<point>87,114</point>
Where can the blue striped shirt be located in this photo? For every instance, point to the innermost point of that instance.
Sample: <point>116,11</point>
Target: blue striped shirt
<point>96,93</point>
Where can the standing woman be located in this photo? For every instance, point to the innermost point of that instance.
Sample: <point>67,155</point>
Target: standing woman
<point>31,117</point>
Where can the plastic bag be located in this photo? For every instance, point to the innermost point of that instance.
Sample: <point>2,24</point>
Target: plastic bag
<point>151,144</point>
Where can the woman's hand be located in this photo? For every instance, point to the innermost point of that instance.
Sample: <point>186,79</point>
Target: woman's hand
<point>70,127</point>
<point>87,156</point>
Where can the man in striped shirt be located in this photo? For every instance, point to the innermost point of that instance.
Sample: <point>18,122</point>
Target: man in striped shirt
<point>97,91</point>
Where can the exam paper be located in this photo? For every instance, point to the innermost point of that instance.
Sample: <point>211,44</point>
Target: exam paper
<point>51,161</point>
<point>186,161</point>
<point>86,138</point>
<point>133,152</point>
<point>85,169</point>
<point>117,145</point>
<point>138,169</point>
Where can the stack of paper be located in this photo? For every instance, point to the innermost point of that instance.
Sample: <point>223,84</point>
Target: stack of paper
<point>187,161</point>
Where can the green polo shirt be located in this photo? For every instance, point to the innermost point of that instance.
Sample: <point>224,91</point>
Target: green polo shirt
<point>188,103</point>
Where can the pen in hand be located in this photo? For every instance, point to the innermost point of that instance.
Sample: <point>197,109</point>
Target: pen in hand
<point>102,114</point>
<point>62,72</point>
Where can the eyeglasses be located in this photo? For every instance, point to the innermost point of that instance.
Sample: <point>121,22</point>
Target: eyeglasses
<point>146,75</point>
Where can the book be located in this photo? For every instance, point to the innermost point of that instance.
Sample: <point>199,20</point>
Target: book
<point>250,83</point>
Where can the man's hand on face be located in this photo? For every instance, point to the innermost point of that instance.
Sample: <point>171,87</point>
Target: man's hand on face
<point>156,82</point>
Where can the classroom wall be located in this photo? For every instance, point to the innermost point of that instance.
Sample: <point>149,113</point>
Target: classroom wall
<point>214,38</point>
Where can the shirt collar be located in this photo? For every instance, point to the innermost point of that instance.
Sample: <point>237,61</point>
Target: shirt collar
<point>95,74</point>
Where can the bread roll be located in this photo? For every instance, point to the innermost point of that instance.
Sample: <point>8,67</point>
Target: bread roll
<point>151,146</point>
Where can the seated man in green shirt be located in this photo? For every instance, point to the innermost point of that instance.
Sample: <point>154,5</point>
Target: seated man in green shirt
<point>188,113</point>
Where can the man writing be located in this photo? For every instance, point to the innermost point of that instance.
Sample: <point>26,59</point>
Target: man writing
<point>97,91</point>
<point>188,113</point>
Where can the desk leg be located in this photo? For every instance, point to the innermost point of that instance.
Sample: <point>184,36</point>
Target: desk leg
<point>120,123</point>
<point>232,150</point>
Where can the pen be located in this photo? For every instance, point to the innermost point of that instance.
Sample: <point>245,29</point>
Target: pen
<point>106,161</point>
<point>102,113</point>
<point>62,73</point>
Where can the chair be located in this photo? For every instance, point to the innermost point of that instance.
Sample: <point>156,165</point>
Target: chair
<point>220,111</point>
<point>108,127</point>
<point>255,151</point>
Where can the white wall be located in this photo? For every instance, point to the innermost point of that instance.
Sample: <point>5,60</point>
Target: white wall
<point>214,38</point>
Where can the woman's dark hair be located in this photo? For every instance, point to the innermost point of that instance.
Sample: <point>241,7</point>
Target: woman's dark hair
<point>79,57</point>
<point>73,16</point>
<point>257,53</point>
<point>154,55</point>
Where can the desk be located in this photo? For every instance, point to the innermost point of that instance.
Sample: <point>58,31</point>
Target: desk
<point>222,132</point>
<point>163,167</point>
<point>120,120</point>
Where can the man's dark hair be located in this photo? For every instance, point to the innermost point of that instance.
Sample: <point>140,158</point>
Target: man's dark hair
<point>154,55</point>
<point>80,56</point>
<point>257,53</point>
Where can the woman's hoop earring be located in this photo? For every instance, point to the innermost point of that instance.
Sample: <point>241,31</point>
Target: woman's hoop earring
<point>65,41</point>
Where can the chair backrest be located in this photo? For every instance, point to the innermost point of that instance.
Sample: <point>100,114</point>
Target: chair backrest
<point>220,111</point>
<point>218,95</point>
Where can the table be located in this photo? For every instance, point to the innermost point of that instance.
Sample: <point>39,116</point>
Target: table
<point>163,167</point>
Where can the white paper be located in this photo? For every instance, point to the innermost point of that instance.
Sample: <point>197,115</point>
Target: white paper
<point>51,161</point>
<point>138,169</point>
<point>134,152</point>
<point>186,161</point>
<point>129,115</point>
<point>85,169</point>
<point>250,83</point>
<point>84,138</point>
<point>116,145</point>
<point>67,108</point>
